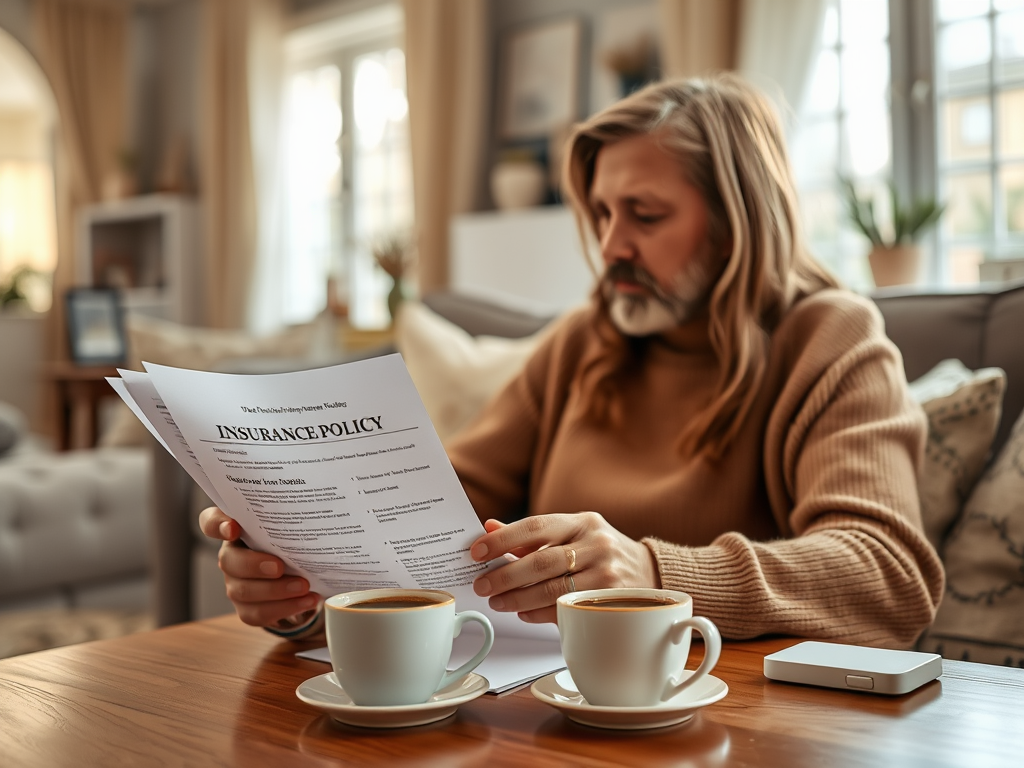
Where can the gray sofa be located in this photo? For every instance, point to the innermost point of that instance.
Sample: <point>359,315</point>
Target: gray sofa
<point>978,327</point>
<point>74,526</point>
<point>74,529</point>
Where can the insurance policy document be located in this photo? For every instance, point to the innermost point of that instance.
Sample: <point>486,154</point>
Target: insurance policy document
<point>339,472</point>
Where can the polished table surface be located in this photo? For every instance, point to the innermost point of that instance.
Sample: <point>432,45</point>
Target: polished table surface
<point>219,693</point>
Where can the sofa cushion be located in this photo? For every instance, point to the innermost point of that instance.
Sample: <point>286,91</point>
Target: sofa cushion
<point>963,409</point>
<point>1002,348</point>
<point>977,325</point>
<point>454,372</point>
<point>202,349</point>
<point>12,427</point>
<point>72,518</point>
<point>981,617</point>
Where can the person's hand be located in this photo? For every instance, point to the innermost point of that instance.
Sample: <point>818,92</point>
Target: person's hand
<point>551,549</point>
<point>263,596</point>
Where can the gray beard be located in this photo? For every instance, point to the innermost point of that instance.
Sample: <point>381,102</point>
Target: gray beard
<point>644,315</point>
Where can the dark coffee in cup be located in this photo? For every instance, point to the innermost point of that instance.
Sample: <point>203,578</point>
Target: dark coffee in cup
<point>395,603</point>
<point>628,647</point>
<point>622,602</point>
<point>391,647</point>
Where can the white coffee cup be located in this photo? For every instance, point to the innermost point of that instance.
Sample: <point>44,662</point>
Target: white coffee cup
<point>390,647</point>
<point>628,647</point>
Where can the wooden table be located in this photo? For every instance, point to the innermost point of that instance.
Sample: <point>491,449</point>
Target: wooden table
<point>79,390</point>
<point>219,693</point>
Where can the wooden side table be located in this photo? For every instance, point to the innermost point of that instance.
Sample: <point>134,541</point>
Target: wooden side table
<point>79,390</point>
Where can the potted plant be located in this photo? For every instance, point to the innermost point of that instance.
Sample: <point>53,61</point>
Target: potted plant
<point>393,253</point>
<point>15,289</point>
<point>895,257</point>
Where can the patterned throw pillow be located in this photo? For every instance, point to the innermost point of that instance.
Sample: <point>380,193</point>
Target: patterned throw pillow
<point>981,617</point>
<point>963,409</point>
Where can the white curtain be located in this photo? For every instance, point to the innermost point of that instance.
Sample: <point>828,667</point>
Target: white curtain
<point>265,307</point>
<point>697,37</point>
<point>447,64</point>
<point>778,46</point>
<point>239,129</point>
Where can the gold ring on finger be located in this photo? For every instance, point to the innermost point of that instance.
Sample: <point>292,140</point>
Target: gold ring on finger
<point>570,558</point>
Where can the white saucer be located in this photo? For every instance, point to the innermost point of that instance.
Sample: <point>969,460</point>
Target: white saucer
<point>325,693</point>
<point>560,691</point>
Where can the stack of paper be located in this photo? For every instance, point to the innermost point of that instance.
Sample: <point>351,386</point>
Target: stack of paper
<point>339,472</point>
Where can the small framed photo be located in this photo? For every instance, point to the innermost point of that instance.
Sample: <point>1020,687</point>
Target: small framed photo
<point>540,75</point>
<point>96,326</point>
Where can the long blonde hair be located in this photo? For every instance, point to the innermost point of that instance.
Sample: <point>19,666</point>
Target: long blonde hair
<point>730,146</point>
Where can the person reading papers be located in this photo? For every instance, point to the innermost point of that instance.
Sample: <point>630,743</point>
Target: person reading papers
<point>722,419</point>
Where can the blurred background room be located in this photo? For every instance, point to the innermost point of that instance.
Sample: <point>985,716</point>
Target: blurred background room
<point>224,183</point>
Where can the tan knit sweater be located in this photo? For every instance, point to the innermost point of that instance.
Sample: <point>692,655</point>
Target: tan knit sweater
<point>808,526</point>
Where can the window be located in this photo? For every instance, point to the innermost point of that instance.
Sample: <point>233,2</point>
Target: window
<point>348,177</point>
<point>979,83</point>
<point>28,224</point>
<point>28,236</point>
<point>845,127</point>
<point>929,95</point>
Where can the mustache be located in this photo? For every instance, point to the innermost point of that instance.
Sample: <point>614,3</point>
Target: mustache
<point>631,273</point>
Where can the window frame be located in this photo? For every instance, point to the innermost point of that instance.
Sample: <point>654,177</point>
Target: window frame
<point>914,118</point>
<point>917,127</point>
<point>342,51</point>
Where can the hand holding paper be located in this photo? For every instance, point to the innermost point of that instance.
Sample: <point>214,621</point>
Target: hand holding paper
<point>335,472</point>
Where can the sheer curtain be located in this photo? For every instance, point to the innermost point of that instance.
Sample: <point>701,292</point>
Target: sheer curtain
<point>226,169</point>
<point>698,36</point>
<point>770,42</point>
<point>266,67</point>
<point>778,42</point>
<point>82,48</point>
<point>447,54</point>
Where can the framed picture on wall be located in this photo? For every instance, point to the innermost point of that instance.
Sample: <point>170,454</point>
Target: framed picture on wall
<point>96,333</point>
<point>539,79</point>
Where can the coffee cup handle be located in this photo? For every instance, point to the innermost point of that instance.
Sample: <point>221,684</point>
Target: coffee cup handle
<point>712,650</point>
<point>469,666</point>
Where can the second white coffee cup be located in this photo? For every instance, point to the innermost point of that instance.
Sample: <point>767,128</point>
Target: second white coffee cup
<point>628,647</point>
<point>390,647</point>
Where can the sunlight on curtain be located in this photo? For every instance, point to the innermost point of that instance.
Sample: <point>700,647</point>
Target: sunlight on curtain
<point>313,180</point>
<point>349,182</point>
<point>844,127</point>
<point>28,232</point>
<point>382,174</point>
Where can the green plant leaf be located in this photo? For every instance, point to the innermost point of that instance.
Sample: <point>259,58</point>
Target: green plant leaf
<point>909,221</point>
<point>860,212</point>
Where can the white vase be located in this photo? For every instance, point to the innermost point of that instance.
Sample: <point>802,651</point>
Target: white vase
<point>518,184</point>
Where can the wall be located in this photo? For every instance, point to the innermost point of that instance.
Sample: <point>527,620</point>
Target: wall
<point>605,24</point>
<point>16,18</point>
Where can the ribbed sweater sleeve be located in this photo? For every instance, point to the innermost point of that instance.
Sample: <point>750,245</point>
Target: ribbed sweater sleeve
<point>841,452</point>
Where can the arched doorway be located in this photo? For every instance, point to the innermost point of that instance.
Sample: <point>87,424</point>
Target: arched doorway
<point>28,225</point>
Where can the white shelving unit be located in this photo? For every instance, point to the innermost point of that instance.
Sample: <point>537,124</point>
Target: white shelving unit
<point>149,246</point>
<point>527,259</point>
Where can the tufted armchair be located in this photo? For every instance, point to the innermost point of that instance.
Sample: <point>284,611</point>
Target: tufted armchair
<point>74,531</point>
